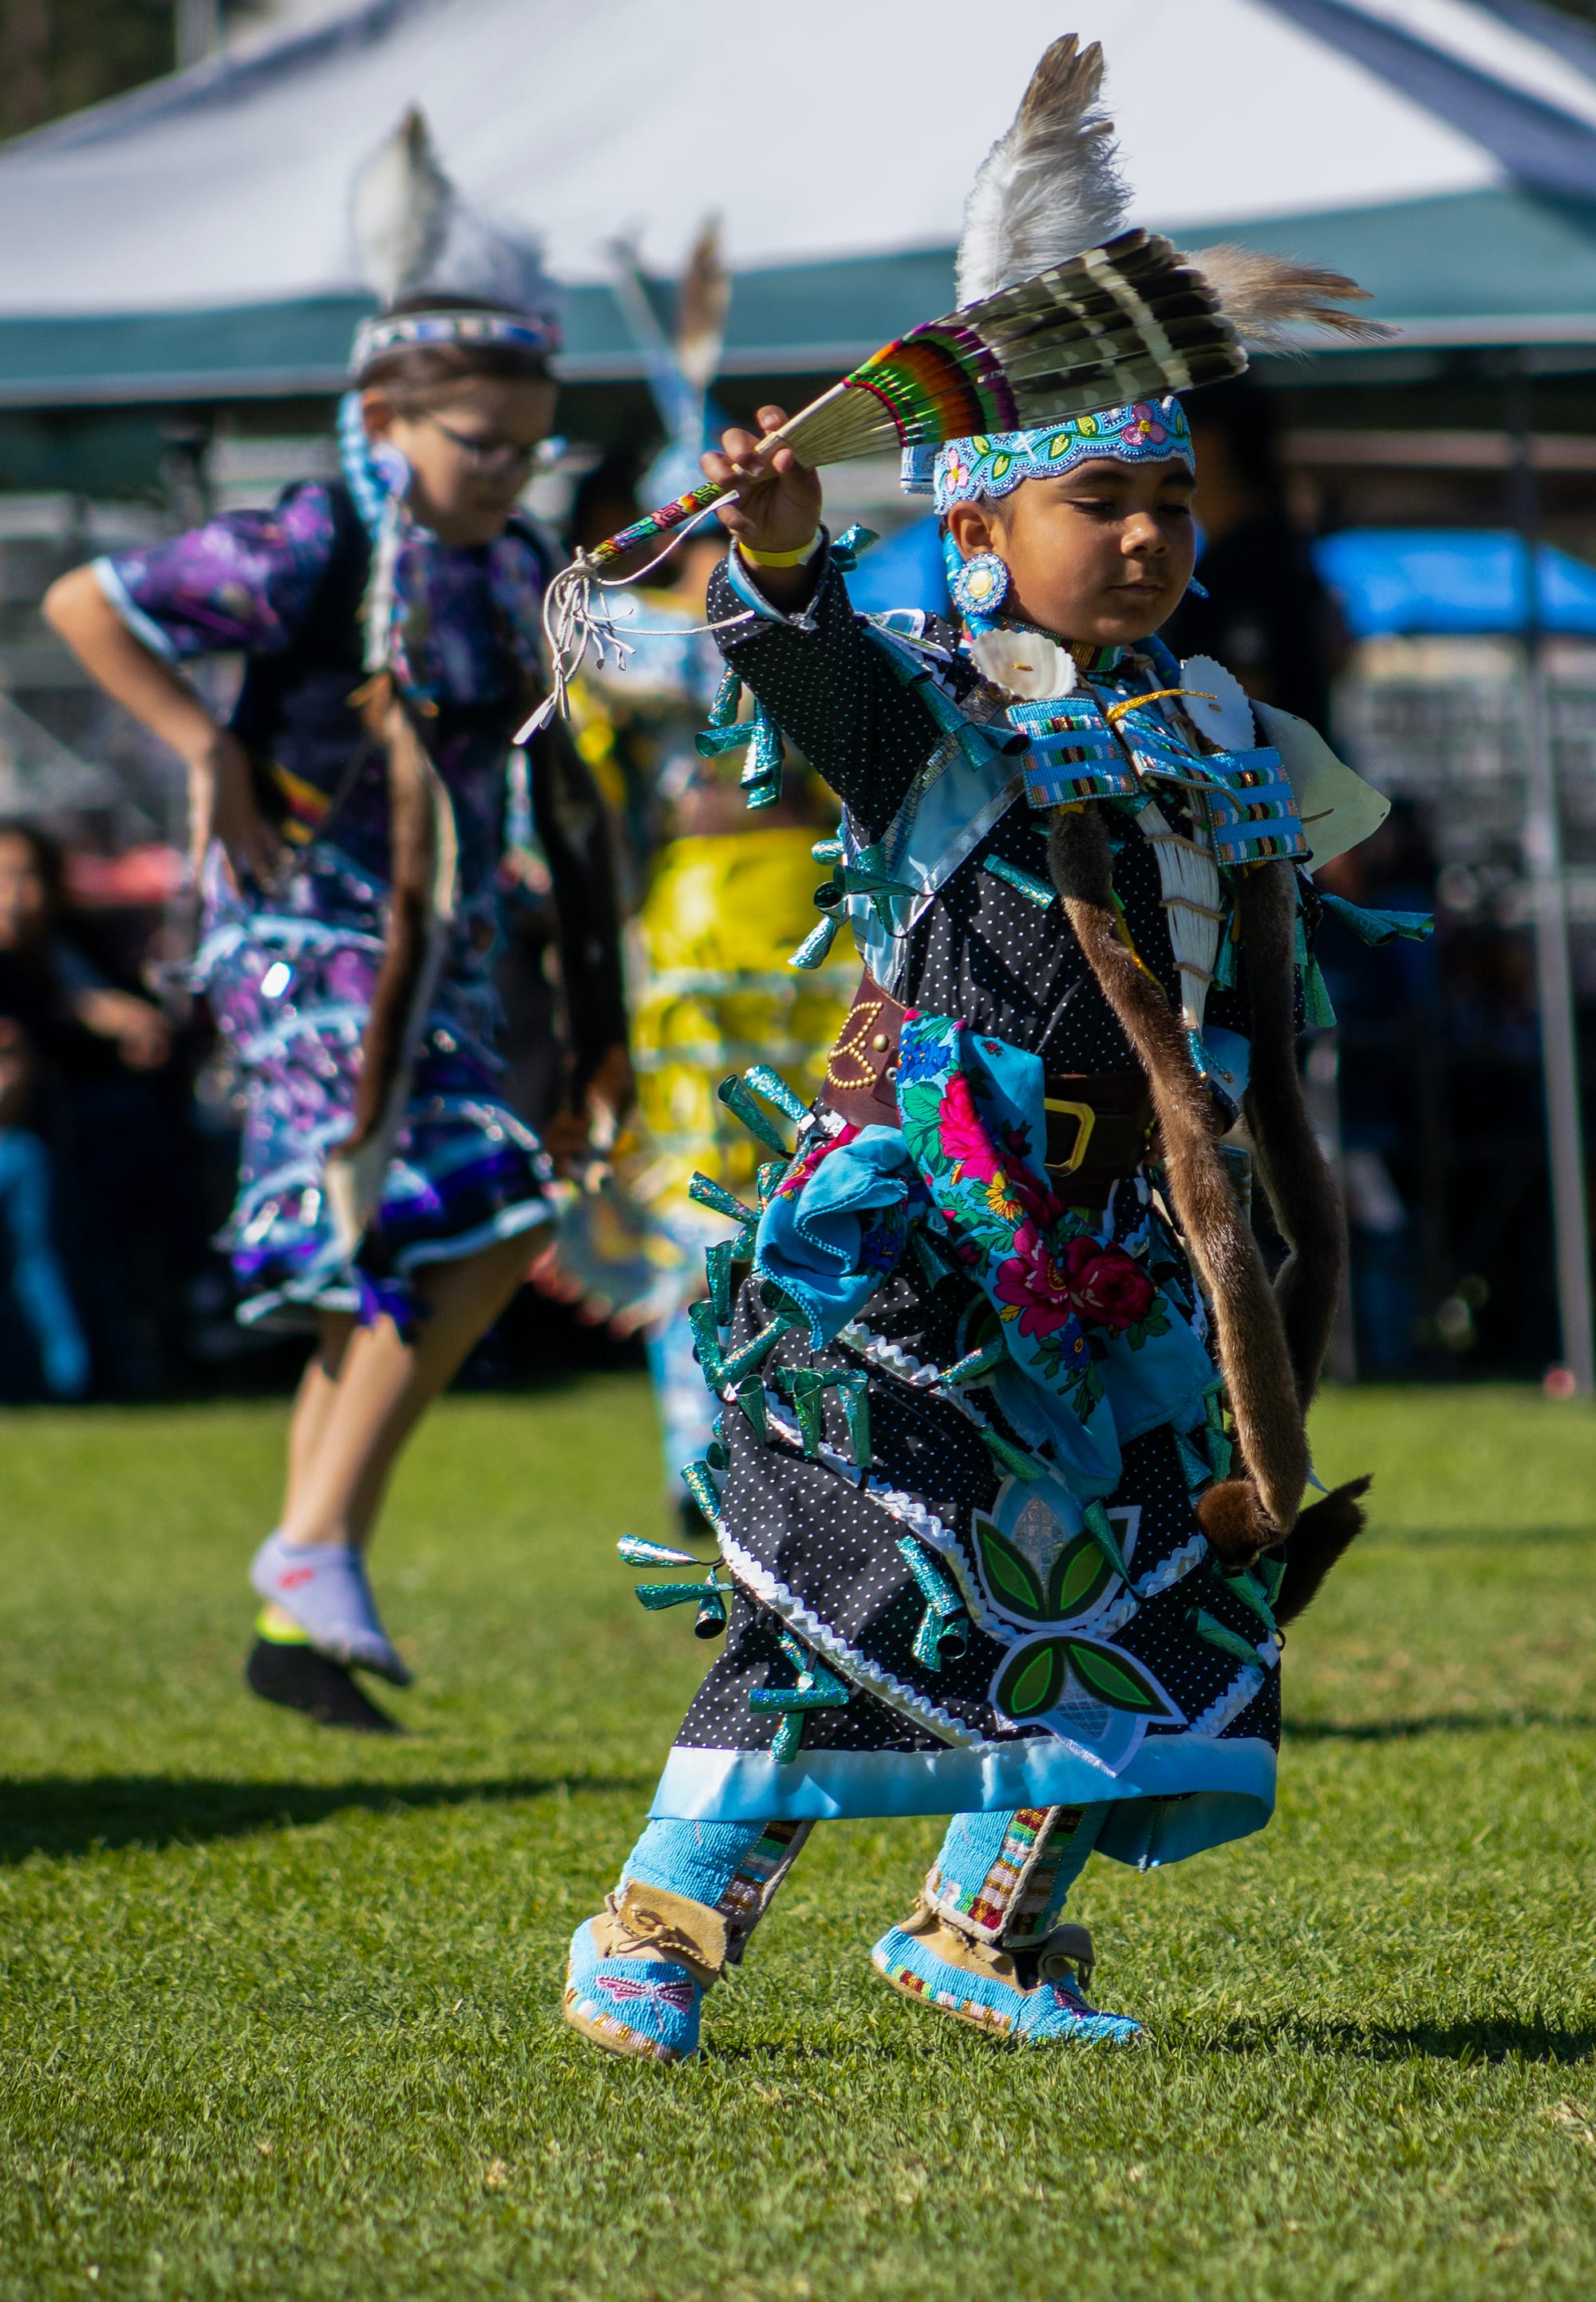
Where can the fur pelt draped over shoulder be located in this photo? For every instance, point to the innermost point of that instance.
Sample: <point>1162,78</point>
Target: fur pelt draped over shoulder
<point>1302,1192</point>
<point>1239,1516</point>
<point>1272,1341</point>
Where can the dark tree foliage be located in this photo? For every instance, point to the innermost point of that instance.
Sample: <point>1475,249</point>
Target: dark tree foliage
<point>58,55</point>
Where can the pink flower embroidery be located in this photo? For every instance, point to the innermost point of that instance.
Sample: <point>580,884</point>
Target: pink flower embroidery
<point>1106,1286</point>
<point>963,1135</point>
<point>1050,1286</point>
<point>1033,1282</point>
<point>794,1183</point>
<point>1144,425</point>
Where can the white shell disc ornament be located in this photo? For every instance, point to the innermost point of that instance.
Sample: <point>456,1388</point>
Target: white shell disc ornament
<point>1028,664</point>
<point>1217,704</point>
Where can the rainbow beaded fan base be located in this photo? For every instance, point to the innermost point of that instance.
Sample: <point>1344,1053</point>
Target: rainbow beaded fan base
<point>1127,321</point>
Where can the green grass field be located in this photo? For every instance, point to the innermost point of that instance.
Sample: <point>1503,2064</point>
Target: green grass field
<point>280,2011</point>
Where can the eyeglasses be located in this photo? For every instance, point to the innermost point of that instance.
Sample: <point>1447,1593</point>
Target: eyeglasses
<point>487,454</point>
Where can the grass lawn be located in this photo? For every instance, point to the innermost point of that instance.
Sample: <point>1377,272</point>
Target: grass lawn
<point>279,2010</point>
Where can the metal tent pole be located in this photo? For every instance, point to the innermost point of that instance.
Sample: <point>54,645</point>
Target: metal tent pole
<point>1554,981</point>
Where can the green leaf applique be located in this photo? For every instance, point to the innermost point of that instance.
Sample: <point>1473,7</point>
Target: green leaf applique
<point>1009,1573</point>
<point>1077,1579</point>
<point>1109,1674</point>
<point>1033,1680</point>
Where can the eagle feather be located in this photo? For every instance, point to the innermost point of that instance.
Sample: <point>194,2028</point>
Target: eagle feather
<point>1051,186</point>
<point>1265,296</point>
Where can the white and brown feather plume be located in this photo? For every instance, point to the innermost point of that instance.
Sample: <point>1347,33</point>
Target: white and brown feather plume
<point>402,208</point>
<point>703,298</point>
<point>1051,186</point>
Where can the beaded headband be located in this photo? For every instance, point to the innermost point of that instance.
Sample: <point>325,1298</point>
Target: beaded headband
<point>996,463</point>
<point>387,331</point>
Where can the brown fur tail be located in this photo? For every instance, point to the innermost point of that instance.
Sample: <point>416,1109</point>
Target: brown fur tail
<point>1323,1532</point>
<point>385,1043</point>
<point>1239,1517</point>
<point>1307,1204</point>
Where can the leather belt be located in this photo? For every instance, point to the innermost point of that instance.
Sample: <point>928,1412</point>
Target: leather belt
<point>1099,1123</point>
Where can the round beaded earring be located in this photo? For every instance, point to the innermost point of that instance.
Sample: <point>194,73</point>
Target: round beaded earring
<point>979,585</point>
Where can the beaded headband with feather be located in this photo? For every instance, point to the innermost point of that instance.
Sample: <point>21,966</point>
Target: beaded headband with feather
<point>1050,185</point>
<point>415,231</point>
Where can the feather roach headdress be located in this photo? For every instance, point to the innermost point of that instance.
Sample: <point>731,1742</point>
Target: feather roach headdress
<point>1051,186</point>
<point>415,233</point>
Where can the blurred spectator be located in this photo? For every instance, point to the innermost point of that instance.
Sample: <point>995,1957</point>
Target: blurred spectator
<point>91,1064</point>
<point>47,983</point>
<point>1268,616</point>
<point>36,1279</point>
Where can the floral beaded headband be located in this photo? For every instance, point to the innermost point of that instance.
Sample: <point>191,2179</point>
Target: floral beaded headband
<point>995,464</point>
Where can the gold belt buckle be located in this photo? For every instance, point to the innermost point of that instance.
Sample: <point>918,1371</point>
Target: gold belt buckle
<point>1086,1121</point>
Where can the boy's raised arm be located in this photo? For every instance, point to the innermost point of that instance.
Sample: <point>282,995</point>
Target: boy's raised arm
<point>826,685</point>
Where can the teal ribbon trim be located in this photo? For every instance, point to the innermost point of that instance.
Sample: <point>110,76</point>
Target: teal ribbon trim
<point>1376,926</point>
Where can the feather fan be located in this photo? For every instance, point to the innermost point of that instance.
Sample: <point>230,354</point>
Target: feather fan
<point>1049,187</point>
<point>403,206</point>
<point>1264,297</point>
<point>1128,321</point>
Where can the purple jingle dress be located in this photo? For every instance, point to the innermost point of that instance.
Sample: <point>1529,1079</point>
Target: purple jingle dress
<point>289,969</point>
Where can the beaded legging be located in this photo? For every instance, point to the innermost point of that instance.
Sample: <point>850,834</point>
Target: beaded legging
<point>1000,1878</point>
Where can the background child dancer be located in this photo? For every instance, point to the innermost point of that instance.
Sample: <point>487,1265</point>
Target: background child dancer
<point>721,891</point>
<point>349,823</point>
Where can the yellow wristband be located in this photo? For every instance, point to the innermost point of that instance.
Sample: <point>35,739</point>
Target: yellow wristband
<point>799,559</point>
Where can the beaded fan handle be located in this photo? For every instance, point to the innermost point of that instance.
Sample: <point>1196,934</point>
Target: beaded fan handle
<point>659,523</point>
<point>707,497</point>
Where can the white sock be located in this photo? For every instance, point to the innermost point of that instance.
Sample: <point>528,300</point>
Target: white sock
<point>321,1586</point>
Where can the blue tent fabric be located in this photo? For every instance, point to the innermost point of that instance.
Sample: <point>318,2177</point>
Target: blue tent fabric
<point>1440,581</point>
<point>1549,25</point>
<point>903,571</point>
<point>1548,149</point>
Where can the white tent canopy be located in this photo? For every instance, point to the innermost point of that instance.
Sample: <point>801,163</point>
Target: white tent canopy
<point>228,185</point>
<point>191,242</point>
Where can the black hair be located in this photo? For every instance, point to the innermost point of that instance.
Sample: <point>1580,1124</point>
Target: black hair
<point>49,861</point>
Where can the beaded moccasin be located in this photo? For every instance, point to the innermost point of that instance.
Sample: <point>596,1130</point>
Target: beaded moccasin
<point>1030,1998</point>
<point>638,1973</point>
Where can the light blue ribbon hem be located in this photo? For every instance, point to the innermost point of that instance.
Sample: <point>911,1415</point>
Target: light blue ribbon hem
<point>1219,1790</point>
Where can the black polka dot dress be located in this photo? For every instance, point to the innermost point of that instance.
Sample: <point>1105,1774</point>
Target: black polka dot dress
<point>956,1630</point>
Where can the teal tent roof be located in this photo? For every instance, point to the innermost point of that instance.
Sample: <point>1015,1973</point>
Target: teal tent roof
<point>1497,266</point>
<point>190,241</point>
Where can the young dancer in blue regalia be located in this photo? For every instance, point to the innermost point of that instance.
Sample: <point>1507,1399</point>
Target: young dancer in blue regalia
<point>1010,1451</point>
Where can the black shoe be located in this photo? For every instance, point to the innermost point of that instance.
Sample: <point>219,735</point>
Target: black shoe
<point>300,1679</point>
